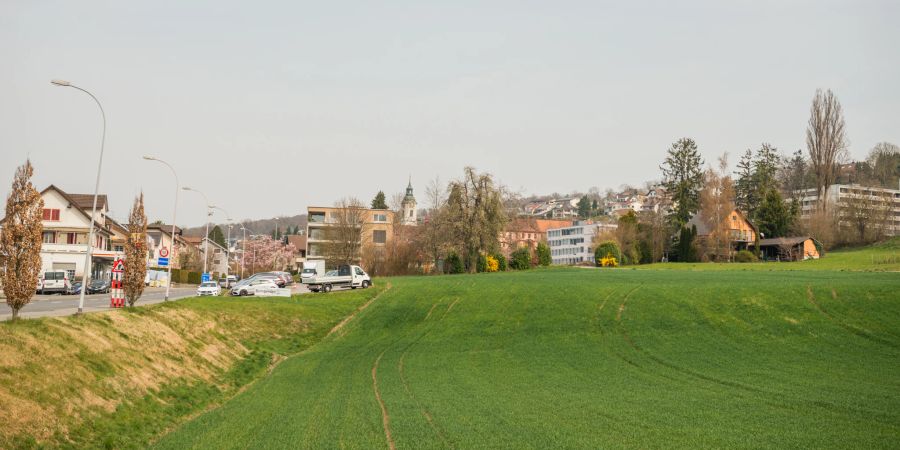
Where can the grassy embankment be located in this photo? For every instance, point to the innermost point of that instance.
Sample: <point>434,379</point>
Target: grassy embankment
<point>883,257</point>
<point>121,378</point>
<point>580,358</point>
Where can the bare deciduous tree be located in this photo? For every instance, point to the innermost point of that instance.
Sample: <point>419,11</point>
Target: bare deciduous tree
<point>20,241</point>
<point>135,252</point>
<point>826,140</point>
<point>344,234</point>
<point>716,204</point>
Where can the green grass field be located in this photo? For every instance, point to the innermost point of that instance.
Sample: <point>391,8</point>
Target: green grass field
<point>589,358</point>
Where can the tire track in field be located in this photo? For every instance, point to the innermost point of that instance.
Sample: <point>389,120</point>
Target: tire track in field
<point>662,362</point>
<point>347,319</point>
<point>406,385</point>
<point>385,418</point>
<point>771,398</point>
<point>846,326</point>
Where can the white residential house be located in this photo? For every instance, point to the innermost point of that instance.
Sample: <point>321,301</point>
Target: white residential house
<point>66,222</point>
<point>575,244</point>
<point>218,255</point>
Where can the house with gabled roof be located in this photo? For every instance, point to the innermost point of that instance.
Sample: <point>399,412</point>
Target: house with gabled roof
<point>66,223</point>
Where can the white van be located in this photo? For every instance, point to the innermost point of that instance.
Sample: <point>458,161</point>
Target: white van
<point>55,281</point>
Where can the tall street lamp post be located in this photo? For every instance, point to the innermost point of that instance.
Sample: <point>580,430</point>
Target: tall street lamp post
<point>174,212</point>
<point>209,208</point>
<point>243,249</point>
<point>227,245</point>
<point>85,279</point>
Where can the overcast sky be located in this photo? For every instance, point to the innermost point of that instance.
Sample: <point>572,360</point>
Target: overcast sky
<point>272,106</point>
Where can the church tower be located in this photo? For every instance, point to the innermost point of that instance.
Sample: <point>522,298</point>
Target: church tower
<point>409,206</point>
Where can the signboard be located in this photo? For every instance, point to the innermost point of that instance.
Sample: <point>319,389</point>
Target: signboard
<point>204,277</point>
<point>118,266</point>
<point>164,252</point>
<point>272,292</point>
<point>162,262</point>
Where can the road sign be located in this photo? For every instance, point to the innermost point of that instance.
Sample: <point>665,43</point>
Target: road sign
<point>163,252</point>
<point>205,277</point>
<point>162,262</point>
<point>118,266</point>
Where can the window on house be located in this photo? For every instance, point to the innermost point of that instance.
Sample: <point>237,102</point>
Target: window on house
<point>51,214</point>
<point>379,236</point>
<point>71,238</point>
<point>381,217</point>
<point>48,237</point>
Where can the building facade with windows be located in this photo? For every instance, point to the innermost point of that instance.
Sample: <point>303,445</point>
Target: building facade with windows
<point>575,244</point>
<point>66,223</point>
<point>878,206</point>
<point>327,226</point>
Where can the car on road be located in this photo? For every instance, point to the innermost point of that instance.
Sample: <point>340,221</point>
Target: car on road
<point>98,287</point>
<point>251,288</point>
<point>55,281</point>
<point>75,289</point>
<point>287,277</point>
<point>228,281</point>
<point>208,288</point>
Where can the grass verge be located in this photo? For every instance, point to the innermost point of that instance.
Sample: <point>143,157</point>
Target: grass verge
<point>121,378</point>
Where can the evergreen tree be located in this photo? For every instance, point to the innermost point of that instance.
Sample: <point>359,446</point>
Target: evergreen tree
<point>543,254</point>
<point>584,207</point>
<point>687,251</point>
<point>379,202</point>
<point>744,193</point>
<point>215,235</point>
<point>774,217</point>
<point>683,179</point>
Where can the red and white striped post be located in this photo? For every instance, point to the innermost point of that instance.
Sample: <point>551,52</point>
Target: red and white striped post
<point>116,291</point>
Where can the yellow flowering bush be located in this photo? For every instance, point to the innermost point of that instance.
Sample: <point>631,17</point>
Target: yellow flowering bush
<point>492,264</point>
<point>608,261</point>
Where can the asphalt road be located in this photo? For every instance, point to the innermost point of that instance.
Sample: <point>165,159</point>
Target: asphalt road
<point>63,305</point>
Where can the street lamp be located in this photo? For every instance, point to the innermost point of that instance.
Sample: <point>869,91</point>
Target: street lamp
<point>227,245</point>
<point>174,212</point>
<point>243,249</point>
<point>85,279</point>
<point>209,208</point>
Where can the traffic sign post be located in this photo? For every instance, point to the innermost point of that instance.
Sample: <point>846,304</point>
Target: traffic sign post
<point>164,252</point>
<point>162,262</point>
<point>205,277</point>
<point>116,291</point>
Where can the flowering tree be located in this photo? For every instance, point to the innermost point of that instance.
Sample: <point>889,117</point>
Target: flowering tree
<point>136,252</point>
<point>20,242</point>
<point>265,253</point>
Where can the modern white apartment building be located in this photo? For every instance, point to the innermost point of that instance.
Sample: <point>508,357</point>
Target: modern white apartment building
<point>884,203</point>
<point>575,244</point>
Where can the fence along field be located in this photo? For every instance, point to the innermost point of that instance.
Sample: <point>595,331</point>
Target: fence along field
<point>591,359</point>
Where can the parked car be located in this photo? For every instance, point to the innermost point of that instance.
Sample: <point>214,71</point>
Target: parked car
<point>98,287</point>
<point>228,281</point>
<point>74,289</point>
<point>288,278</point>
<point>55,281</point>
<point>254,286</point>
<point>270,276</point>
<point>208,288</point>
